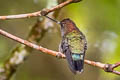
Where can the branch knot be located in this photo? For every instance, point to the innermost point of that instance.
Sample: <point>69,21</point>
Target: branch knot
<point>108,68</point>
<point>44,12</point>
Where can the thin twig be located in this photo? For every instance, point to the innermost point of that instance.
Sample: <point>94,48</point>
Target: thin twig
<point>38,13</point>
<point>27,43</point>
<point>106,67</point>
<point>111,67</point>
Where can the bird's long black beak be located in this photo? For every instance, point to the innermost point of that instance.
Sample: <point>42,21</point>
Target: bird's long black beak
<point>58,22</point>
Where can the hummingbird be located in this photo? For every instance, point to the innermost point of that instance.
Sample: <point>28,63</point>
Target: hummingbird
<point>73,44</point>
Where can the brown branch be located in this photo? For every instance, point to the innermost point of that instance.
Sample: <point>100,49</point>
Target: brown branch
<point>36,34</point>
<point>111,67</point>
<point>27,43</point>
<point>38,13</point>
<point>10,65</point>
<point>106,67</point>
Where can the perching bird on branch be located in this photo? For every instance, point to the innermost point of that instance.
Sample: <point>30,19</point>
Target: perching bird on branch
<point>73,45</point>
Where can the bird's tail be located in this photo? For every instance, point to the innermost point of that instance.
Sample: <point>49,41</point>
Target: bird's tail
<point>76,62</point>
<point>78,65</point>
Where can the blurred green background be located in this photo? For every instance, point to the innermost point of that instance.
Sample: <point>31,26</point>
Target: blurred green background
<point>97,19</point>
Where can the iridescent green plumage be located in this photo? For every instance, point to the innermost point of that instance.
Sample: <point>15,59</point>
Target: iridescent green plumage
<point>75,42</point>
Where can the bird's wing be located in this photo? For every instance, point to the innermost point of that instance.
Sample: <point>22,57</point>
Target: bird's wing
<point>66,50</point>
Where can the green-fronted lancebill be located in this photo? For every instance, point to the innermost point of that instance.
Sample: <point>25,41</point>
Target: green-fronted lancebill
<point>73,44</point>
